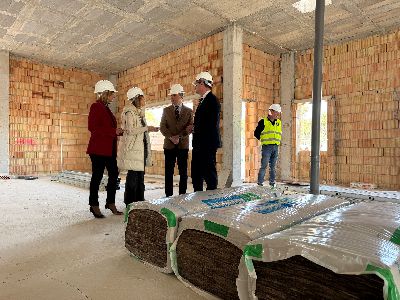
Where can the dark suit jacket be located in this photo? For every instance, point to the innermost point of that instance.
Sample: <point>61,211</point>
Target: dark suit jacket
<point>169,126</point>
<point>102,126</point>
<point>206,124</point>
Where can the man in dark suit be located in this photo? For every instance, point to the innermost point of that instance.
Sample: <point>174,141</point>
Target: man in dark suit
<point>174,122</point>
<point>206,136</point>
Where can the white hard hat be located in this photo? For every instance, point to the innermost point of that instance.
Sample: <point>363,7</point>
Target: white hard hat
<point>104,85</point>
<point>176,89</point>
<point>276,107</point>
<point>133,92</point>
<point>208,80</point>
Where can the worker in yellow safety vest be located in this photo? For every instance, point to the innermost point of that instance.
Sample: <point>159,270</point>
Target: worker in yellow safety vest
<point>269,132</point>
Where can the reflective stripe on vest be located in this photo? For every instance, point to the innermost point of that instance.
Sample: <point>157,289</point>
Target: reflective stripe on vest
<point>272,134</point>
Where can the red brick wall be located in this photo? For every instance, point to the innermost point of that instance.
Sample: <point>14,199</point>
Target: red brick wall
<point>41,97</point>
<point>363,117</point>
<point>261,83</point>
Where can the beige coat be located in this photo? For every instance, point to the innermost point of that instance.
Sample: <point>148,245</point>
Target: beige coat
<point>131,146</point>
<point>169,126</point>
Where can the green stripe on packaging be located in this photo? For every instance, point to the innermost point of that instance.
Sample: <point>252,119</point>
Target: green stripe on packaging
<point>216,228</point>
<point>249,265</point>
<point>253,250</point>
<point>171,218</point>
<point>396,237</point>
<point>249,196</point>
<point>127,209</point>
<point>393,292</point>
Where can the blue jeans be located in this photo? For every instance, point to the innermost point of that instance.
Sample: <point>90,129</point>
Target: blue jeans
<point>269,155</point>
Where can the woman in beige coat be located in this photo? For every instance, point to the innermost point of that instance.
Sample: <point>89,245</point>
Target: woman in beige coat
<point>134,151</point>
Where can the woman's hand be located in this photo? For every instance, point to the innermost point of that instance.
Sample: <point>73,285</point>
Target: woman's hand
<point>119,131</point>
<point>152,128</point>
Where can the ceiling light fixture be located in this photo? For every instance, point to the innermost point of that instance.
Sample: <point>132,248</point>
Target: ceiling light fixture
<point>306,6</point>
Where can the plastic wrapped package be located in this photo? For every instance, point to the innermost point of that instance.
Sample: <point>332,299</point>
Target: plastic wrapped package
<point>152,225</point>
<point>349,253</point>
<point>208,249</point>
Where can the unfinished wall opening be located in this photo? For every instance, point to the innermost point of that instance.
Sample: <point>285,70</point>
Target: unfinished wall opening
<point>153,118</point>
<point>303,137</point>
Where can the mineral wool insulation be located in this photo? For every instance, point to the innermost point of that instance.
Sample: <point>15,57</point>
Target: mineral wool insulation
<point>152,225</point>
<point>208,249</point>
<point>349,253</point>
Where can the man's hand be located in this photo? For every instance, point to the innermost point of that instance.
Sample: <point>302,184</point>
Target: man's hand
<point>189,129</point>
<point>119,131</point>
<point>174,139</point>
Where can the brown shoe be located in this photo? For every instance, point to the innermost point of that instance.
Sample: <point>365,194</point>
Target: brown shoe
<point>95,210</point>
<point>111,206</point>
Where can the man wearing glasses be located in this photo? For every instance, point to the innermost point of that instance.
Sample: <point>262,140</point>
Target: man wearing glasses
<point>206,135</point>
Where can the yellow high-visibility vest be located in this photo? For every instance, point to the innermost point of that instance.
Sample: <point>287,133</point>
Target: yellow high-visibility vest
<point>272,134</point>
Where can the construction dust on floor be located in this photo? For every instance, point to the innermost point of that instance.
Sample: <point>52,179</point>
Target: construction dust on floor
<point>52,248</point>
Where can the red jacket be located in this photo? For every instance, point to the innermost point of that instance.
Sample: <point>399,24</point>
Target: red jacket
<point>102,126</point>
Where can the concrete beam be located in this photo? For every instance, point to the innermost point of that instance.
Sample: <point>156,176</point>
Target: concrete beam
<point>287,96</point>
<point>114,105</point>
<point>232,105</point>
<point>4,111</point>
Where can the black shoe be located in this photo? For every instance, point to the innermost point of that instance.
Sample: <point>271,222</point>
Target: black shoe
<point>98,214</point>
<point>114,210</point>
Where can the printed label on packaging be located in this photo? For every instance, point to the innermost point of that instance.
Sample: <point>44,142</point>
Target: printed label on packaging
<point>231,200</point>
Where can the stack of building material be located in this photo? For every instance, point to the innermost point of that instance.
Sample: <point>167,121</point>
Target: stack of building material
<point>152,225</point>
<point>349,253</point>
<point>208,249</point>
<point>80,179</point>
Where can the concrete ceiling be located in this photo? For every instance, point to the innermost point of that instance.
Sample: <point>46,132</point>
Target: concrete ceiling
<point>109,36</point>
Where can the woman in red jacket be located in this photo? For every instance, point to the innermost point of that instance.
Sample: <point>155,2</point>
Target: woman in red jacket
<point>102,147</point>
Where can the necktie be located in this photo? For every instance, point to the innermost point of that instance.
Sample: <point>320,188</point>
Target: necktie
<point>177,112</point>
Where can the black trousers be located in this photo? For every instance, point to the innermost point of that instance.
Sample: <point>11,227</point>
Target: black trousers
<point>203,168</point>
<point>171,156</point>
<point>99,163</point>
<point>134,187</point>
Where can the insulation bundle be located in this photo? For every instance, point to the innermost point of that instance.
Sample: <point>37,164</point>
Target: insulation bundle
<point>208,249</point>
<point>152,225</point>
<point>349,253</point>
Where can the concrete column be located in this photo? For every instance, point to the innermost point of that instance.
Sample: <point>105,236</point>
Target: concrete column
<point>4,111</point>
<point>287,96</point>
<point>114,105</point>
<point>232,106</point>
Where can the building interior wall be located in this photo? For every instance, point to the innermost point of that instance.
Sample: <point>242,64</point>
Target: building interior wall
<point>362,78</point>
<point>261,88</point>
<point>48,117</point>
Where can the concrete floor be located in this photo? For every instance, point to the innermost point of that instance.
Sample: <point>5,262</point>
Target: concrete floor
<point>52,248</point>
